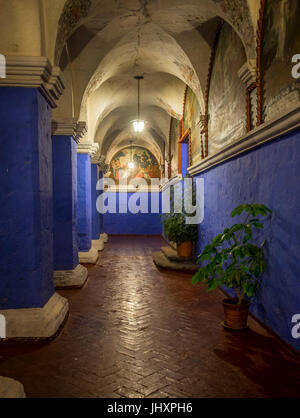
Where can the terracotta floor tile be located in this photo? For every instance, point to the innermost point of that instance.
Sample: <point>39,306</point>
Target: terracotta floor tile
<point>134,331</point>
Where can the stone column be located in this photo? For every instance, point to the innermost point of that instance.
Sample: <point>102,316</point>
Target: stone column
<point>67,270</point>
<point>11,389</point>
<point>103,168</point>
<point>103,235</point>
<point>97,241</point>
<point>87,253</point>
<point>28,302</point>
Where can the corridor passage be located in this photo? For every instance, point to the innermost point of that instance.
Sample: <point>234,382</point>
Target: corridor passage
<point>136,332</point>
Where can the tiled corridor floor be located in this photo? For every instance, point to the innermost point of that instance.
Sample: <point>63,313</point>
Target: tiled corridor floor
<point>136,332</point>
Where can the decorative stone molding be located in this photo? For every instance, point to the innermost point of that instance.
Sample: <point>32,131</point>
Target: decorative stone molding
<point>174,180</point>
<point>98,159</point>
<point>247,73</point>
<point>259,44</point>
<point>69,127</point>
<point>89,257</point>
<point>258,136</point>
<point>34,72</point>
<point>202,122</point>
<point>71,278</point>
<point>11,389</point>
<point>73,11</point>
<point>88,148</point>
<point>36,323</point>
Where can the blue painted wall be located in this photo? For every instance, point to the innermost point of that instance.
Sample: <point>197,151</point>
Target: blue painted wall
<point>129,223</point>
<point>184,158</point>
<point>64,150</point>
<point>95,194</point>
<point>84,213</point>
<point>270,175</point>
<point>26,217</point>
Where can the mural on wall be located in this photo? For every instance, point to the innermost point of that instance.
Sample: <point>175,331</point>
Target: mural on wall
<point>145,165</point>
<point>73,11</point>
<point>227,96</point>
<point>280,41</point>
<point>192,121</point>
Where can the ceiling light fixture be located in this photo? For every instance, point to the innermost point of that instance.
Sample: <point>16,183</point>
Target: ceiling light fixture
<point>139,125</point>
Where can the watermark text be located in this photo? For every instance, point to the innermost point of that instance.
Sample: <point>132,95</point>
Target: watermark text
<point>296,67</point>
<point>2,327</point>
<point>186,196</point>
<point>296,328</point>
<point>2,66</point>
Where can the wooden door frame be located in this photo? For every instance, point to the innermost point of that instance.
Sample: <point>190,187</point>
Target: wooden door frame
<point>183,137</point>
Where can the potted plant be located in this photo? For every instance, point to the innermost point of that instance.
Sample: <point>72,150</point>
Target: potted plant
<point>175,227</point>
<point>181,233</point>
<point>234,261</point>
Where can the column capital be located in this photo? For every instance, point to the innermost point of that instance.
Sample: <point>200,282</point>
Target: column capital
<point>34,72</point>
<point>69,127</point>
<point>247,72</point>
<point>99,160</point>
<point>88,148</point>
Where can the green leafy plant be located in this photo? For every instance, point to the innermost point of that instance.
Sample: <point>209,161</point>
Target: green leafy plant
<point>231,259</point>
<point>176,229</point>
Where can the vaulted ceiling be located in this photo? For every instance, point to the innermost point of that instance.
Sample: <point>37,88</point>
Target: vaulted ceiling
<point>105,43</point>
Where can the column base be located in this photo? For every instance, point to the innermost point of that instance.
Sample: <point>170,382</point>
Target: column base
<point>36,323</point>
<point>71,278</point>
<point>89,257</point>
<point>104,237</point>
<point>11,389</point>
<point>98,244</point>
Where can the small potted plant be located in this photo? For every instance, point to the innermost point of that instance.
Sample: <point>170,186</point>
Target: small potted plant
<point>232,260</point>
<point>178,231</point>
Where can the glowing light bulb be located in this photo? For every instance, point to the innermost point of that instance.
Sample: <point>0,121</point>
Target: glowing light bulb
<point>131,165</point>
<point>138,125</point>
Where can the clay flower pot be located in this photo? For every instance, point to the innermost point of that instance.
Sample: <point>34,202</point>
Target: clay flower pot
<point>185,249</point>
<point>236,316</point>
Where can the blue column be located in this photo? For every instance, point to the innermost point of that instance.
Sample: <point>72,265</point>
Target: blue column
<point>97,240</point>
<point>26,220</point>
<point>87,252</point>
<point>84,221</point>
<point>64,150</point>
<point>95,215</point>
<point>101,219</point>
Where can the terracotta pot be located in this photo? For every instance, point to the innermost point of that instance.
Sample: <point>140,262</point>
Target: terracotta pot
<point>236,316</point>
<point>185,249</point>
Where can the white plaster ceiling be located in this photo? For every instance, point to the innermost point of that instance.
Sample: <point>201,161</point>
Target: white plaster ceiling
<point>167,41</point>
